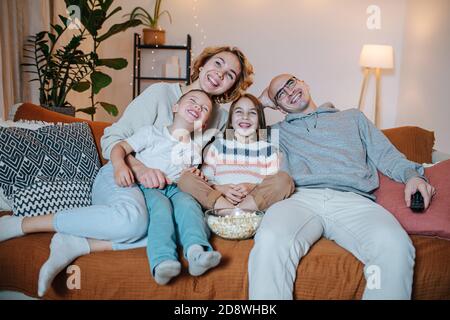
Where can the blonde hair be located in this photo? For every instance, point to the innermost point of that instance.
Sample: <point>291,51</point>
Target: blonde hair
<point>244,80</point>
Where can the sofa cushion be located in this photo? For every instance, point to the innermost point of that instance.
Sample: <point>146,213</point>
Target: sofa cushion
<point>327,272</point>
<point>5,204</point>
<point>44,197</point>
<point>48,169</point>
<point>29,111</point>
<point>435,221</point>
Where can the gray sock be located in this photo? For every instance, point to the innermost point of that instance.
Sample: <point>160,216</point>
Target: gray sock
<point>166,270</point>
<point>200,260</point>
<point>10,227</point>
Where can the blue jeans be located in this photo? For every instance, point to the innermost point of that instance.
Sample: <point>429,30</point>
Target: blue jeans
<point>175,217</point>
<point>117,214</point>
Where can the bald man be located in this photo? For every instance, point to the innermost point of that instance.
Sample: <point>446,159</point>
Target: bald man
<point>333,157</point>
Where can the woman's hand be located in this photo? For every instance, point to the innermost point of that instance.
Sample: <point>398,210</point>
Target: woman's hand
<point>230,192</point>
<point>152,178</point>
<point>196,172</point>
<point>123,175</point>
<point>245,188</point>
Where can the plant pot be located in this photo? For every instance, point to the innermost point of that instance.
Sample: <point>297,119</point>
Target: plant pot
<point>154,36</point>
<point>68,111</point>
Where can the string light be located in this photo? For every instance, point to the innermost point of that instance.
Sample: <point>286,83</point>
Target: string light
<point>199,29</point>
<point>153,60</point>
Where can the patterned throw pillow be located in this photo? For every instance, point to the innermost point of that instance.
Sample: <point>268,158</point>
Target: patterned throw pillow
<point>48,169</point>
<point>51,196</point>
<point>26,124</point>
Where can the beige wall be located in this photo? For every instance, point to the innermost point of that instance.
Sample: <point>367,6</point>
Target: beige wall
<point>318,40</point>
<point>424,96</point>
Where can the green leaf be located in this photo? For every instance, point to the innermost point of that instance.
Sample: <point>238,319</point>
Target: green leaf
<point>52,37</point>
<point>90,110</point>
<point>106,4</point>
<point>168,14</point>
<point>63,19</point>
<point>99,81</point>
<point>110,108</point>
<point>116,64</point>
<point>145,20</point>
<point>119,28</point>
<point>96,21</point>
<point>40,35</point>
<point>57,28</point>
<point>82,86</point>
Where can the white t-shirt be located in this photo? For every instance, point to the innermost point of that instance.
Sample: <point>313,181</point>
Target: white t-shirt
<point>157,148</point>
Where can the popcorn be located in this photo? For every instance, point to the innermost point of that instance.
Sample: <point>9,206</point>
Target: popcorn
<point>236,227</point>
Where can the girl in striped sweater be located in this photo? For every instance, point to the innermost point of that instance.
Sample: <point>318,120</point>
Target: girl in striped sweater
<point>241,169</point>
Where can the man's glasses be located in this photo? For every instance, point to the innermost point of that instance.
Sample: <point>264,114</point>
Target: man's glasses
<point>289,85</point>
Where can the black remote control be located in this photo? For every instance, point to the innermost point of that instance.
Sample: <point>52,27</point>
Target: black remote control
<point>417,204</point>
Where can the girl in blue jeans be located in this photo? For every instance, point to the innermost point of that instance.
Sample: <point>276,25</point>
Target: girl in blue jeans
<point>174,215</point>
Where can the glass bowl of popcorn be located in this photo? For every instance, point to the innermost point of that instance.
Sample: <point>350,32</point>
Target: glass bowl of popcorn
<point>234,223</point>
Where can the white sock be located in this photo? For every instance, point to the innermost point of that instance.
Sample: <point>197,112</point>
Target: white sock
<point>63,250</point>
<point>10,227</point>
<point>166,270</point>
<point>200,260</point>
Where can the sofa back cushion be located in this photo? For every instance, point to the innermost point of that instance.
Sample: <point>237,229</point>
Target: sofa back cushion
<point>414,142</point>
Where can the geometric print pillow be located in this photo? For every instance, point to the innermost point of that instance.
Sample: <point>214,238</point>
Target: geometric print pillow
<point>33,160</point>
<point>44,197</point>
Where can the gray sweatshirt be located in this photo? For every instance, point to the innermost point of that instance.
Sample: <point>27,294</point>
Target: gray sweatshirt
<point>340,150</point>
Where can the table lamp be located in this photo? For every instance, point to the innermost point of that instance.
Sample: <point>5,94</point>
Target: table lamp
<point>373,59</point>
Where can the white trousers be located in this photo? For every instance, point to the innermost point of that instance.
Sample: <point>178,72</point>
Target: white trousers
<point>357,224</point>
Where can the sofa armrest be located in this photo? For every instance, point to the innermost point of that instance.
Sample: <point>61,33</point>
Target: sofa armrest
<point>32,112</point>
<point>414,142</point>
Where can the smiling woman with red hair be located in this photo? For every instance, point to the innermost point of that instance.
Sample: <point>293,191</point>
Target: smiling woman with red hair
<point>118,218</point>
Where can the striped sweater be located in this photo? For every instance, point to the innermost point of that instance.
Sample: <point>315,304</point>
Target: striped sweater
<point>232,162</point>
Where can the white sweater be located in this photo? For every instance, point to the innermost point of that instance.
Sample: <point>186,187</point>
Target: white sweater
<point>231,162</point>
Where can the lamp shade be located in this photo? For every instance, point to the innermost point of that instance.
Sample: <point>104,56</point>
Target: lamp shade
<point>377,56</point>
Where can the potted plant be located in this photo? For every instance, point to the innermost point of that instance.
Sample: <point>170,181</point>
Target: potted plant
<point>153,34</point>
<point>58,70</point>
<point>61,69</point>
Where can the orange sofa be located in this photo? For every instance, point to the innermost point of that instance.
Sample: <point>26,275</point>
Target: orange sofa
<point>327,272</point>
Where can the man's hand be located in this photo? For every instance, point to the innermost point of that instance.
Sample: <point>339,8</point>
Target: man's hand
<point>417,184</point>
<point>123,176</point>
<point>196,172</point>
<point>266,101</point>
<point>152,178</point>
<point>230,192</point>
